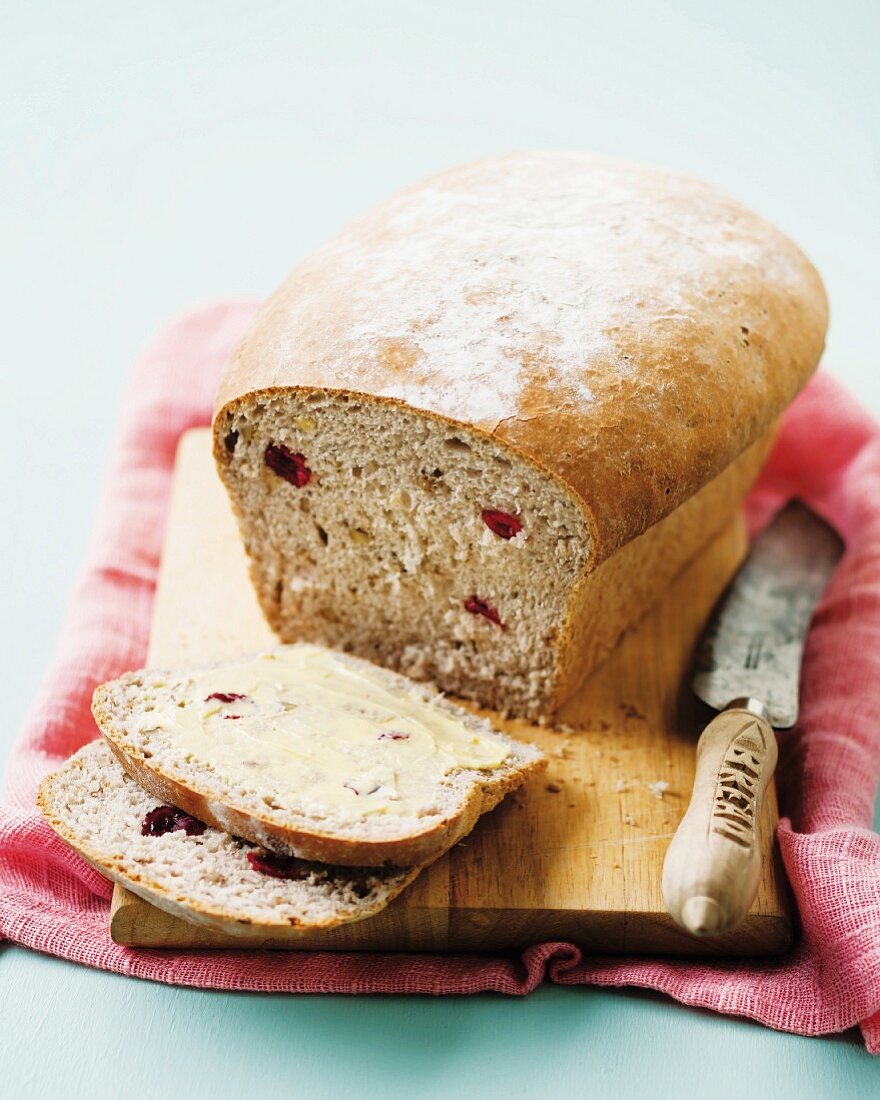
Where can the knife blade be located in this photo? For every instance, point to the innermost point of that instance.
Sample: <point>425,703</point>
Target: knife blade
<point>748,668</point>
<point>753,645</point>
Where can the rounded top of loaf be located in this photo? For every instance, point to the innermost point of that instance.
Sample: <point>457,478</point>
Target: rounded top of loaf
<point>630,329</point>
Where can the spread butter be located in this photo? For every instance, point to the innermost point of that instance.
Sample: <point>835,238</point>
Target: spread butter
<point>323,737</point>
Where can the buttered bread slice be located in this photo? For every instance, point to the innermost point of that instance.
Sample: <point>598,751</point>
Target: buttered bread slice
<point>311,752</point>
<point>195,872</point>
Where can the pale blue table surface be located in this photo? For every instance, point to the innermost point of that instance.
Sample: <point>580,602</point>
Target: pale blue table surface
<point>157,155</point>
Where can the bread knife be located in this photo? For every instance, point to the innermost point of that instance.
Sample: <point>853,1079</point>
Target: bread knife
<point>747,668</point>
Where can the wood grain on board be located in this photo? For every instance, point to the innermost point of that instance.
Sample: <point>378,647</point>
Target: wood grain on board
<point>576,855</point>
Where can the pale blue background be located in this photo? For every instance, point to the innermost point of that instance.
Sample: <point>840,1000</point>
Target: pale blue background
<point>156,155</point>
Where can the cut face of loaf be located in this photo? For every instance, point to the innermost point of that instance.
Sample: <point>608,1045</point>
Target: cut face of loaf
<point>312,753</point>
<point>434,550</point>
<point>206,877</point>
<point>418,544</point>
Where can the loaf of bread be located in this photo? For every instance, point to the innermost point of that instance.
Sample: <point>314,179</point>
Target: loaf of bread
<point>314,754</point>
<point>475,435</point>
<point>193,871</point>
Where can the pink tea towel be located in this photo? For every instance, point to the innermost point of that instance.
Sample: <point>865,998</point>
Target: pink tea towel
<point>828,452</point>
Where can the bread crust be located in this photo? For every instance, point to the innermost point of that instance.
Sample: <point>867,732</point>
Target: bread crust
<point>710,320</point>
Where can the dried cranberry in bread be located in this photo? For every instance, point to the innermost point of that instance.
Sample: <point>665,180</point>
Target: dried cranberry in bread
<point>202,875</point>
<point>313,753</point>
<point>454,412</point>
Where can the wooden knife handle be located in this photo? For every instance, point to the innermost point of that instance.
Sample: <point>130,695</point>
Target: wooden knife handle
<point>712,867</point>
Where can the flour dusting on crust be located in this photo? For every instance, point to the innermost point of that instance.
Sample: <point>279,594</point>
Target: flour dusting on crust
<point>485,285</point>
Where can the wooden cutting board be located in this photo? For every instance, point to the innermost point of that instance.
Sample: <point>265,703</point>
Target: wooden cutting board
<point>576,855</point>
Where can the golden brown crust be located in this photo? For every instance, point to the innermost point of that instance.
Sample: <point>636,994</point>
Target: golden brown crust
<point>612,599</point>
<point>640,328</point>
<point>313,844</point>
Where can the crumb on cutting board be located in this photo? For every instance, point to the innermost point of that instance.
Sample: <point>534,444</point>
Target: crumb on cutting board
<point>658,788</point>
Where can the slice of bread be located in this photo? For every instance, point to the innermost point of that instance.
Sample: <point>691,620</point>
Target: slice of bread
<point>207,878</point>
<point>313,753</point>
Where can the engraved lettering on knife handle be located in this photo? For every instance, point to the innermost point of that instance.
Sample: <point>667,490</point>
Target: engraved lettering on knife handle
<point>737,787</point>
